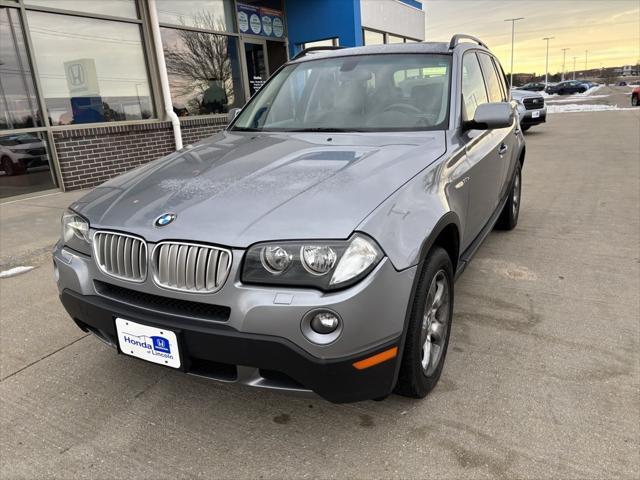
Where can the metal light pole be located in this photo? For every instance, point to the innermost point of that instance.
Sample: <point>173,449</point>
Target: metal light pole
<point>513,38</point>
<point>574,67</point>
<point>586,56</point>
<point>564,61</point>
<point>546,75</point>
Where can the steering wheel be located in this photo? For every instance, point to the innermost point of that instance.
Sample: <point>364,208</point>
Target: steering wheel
<point>403,107</point>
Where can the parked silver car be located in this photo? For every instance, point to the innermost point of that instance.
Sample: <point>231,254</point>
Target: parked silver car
<point>531,108</point>
<point>312,245</point>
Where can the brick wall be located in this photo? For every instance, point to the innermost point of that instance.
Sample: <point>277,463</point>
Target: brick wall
<point>195,129</point>
<point>91,156</point>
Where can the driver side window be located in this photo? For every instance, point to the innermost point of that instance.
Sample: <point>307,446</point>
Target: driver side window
<point>473,89</point>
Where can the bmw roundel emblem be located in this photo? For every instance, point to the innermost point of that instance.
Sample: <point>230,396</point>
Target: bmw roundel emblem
<point>165,219</point>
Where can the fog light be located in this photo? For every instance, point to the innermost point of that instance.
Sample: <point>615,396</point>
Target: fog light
<point>321,327</point>
<point>324,323</point>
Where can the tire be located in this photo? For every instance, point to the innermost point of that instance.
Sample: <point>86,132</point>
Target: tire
<point>634,100</point>
<point>10,168</point>
<point>416,380</point>
<point>524,128</point>
<point>511,211</point>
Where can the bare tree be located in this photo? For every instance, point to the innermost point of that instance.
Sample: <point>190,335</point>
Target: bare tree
<point>201,62</point>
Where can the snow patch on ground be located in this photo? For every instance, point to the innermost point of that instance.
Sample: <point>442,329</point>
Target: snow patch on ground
<point>576,107</point>
<point>590,91</point>
<point>574,99</point>
<point>12,272</point>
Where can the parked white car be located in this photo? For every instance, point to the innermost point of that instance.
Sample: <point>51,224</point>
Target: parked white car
<point>20,152</point>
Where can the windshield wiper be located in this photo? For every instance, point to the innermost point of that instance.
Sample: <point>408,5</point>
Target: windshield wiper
<point>324,129</point>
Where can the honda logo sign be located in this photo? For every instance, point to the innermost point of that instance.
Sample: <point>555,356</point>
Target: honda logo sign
<point>82,79</point>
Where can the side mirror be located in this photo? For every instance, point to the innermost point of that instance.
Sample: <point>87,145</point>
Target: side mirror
<point>492,115</point>
<point>233,113</point>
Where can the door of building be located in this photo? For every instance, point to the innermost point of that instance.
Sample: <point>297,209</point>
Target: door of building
<point>276,55</point>
<point>255,54</point>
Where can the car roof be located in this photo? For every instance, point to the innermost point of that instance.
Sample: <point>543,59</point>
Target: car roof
<point>414,47</point>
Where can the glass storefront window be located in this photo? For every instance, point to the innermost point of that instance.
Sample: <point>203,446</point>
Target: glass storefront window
<point>90,70</point>
<point>24,164</point>
<point>114,8</point>
<point>373,38</point>
<point>18,102</point>
<point>214,15</point>
<point>204,71</point>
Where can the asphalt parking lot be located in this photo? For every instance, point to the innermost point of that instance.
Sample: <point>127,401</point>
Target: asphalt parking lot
<point>542,379</point>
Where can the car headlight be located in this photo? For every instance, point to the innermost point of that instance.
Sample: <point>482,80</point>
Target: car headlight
<point>75,232</point>
<point>323,264</point>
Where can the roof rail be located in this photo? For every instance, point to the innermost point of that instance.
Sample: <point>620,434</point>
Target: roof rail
<point>455,40</point>
<point>315,49</point>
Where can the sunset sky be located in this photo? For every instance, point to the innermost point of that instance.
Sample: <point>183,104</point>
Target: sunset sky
<point>608,29</point>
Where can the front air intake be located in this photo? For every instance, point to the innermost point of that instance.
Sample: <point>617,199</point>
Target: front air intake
<point>189,267</point>
<point>121,256</point>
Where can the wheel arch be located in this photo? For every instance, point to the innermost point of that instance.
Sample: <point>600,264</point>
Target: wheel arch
<point>441,235</point>
<point>445,234</point>
<point>522,155</point>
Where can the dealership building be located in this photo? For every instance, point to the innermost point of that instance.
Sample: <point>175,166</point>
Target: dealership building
<point>92,88</point>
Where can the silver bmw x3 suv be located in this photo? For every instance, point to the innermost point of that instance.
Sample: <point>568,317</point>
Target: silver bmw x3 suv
<point>313,244</point>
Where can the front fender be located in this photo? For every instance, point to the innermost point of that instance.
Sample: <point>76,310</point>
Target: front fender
<point>409,221</point>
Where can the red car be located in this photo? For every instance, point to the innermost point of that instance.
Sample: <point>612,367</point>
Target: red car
<point>635,97</point>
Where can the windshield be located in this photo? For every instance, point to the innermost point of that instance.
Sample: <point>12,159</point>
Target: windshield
<point>358,93</point>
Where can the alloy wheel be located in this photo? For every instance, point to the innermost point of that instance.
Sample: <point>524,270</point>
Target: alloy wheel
<point>515,202</point>
<point>435,322</point>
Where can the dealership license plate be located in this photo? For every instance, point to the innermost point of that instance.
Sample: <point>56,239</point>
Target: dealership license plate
<point>155,345</point>
<point>535,114</point>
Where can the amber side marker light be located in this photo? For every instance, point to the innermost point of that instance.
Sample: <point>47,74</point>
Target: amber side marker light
<point>376,359</point>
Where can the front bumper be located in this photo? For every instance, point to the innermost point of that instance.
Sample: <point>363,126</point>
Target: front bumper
<point>257,339</point>
<point>527,118</point>
<point>256,360</point>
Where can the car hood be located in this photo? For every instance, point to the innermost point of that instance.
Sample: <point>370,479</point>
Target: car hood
<point>239,188</point>
<point>520,94</point>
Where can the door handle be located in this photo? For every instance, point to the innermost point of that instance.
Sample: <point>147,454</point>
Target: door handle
<point>503,149</point>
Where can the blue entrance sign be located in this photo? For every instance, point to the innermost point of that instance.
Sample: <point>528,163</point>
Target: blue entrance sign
<point>265,22</point>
